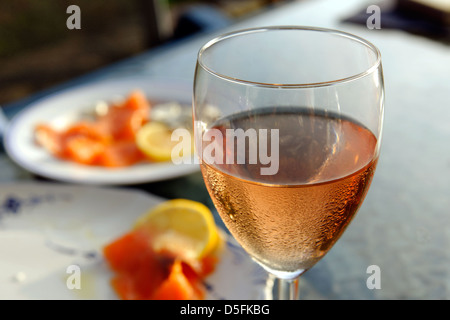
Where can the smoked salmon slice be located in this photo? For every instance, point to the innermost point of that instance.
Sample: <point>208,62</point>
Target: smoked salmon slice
<point>107,141</point>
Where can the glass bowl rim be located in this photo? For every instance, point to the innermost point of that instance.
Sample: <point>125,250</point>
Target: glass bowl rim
<point>375,66</point>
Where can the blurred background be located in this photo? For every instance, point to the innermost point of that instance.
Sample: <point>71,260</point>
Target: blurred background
<point>37,50</point>
<point>36,45</point>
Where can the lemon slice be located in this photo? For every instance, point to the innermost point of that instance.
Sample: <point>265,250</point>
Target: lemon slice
<point>154,140</point>
<point>183,227</point>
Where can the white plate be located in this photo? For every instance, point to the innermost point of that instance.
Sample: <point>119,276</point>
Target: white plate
<point>51,237</point>
<point>65,106</point>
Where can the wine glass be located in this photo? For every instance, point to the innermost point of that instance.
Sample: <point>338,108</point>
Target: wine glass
<point>287,126</point>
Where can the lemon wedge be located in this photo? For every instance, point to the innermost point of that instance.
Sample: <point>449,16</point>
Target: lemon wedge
<point>183,227</point>
<point>154,140</point>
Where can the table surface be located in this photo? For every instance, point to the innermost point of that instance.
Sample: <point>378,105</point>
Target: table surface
<point>403,227</point>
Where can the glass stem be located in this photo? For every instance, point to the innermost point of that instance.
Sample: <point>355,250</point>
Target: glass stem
<point>288,289</point>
